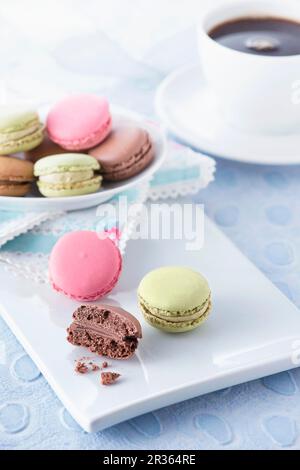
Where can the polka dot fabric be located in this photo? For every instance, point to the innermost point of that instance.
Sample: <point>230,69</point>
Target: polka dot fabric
<point>258,207</point>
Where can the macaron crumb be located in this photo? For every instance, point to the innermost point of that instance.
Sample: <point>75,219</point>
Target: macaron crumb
<point>81,367</point>
<point>86,364</point>
<point>108,378</point>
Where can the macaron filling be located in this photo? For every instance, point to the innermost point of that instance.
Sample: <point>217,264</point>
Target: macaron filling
<point>95,180</point>
<point>13,182</point>
<point>67,177</point>
<point>13,135</point>
<point>176,317</point>
<point>13,179</point>
<point>24,143</point>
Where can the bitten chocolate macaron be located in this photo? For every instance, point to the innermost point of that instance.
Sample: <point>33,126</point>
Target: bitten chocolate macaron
<point>124,153</point>
<point>15,176</point>
<point>174,298</point>
<point>106,330</point>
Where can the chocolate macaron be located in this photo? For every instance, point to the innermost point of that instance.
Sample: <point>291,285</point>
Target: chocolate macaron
<point>47,147</point>
<point>124,153</point>
<point>15,176</point>
<point>106,330</point>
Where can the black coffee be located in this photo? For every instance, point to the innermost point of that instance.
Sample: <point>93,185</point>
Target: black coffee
<point>262,36</point>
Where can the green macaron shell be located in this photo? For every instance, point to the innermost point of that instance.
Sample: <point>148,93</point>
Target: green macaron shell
<point>65,162</point>
<point>171,295</point>
<point>16,120</point>
<point>174,289</point>
<point>20,131</point>
<point>173,327</point>
<point>70,189</point>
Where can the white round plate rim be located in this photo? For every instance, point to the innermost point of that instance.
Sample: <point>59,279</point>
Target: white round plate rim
<point>37,204</point>
<point>227,142</point>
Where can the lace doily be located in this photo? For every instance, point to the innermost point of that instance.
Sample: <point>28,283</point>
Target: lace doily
<point>179,178</point>
<point>22,224</point>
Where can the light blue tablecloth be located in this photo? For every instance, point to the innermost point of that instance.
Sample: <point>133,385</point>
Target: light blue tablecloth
<point>257,207</point>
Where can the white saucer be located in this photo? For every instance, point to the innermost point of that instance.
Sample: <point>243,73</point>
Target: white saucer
<point>35,202</point>
<point>187,108</point>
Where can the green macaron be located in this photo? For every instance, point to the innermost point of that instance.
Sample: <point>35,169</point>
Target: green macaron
<point>68,174</point>
<point>174,298</point>
<point>19,130</point>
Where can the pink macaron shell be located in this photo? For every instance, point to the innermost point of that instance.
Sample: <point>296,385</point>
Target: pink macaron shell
<point>79,122</point>
<point>84,266</point>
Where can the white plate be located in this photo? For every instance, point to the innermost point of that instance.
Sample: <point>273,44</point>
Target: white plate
<point>188,109</point>
<point>250,333</point>
<point>35,202</point>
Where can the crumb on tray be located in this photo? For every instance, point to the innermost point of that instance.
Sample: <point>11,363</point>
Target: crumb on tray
<point>108,378</point>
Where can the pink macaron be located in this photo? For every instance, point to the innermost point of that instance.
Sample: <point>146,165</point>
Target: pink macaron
<point>84,266</point>
<point>79,122</point>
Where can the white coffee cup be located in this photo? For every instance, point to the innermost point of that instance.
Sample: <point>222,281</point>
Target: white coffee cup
<point>257,93</point>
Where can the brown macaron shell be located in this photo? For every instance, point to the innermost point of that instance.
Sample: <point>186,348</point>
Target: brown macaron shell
<point>15,176</point>
<point>124,153</point>
<point>46,148</point>
<point>16,190</point>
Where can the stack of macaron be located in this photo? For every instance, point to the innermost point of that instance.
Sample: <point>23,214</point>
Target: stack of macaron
<point>68,174</point>
<point>79,148</point>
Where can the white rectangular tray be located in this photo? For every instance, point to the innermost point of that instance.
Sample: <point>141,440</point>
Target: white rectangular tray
<point>250,333</point>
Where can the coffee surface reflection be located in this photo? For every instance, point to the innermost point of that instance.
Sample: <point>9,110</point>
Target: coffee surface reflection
<point>257,35</point>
